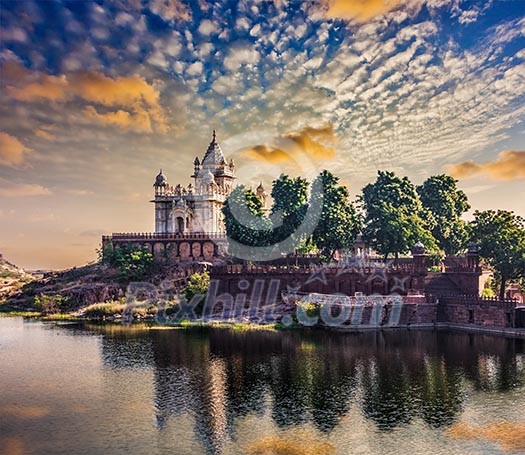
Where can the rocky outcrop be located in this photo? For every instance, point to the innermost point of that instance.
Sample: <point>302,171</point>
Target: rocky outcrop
<point>12,278</point>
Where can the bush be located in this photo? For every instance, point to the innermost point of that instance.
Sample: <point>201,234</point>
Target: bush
<point>133,262</point>
<point>116,308</point>
<point>51,304</point>
<point>103,310</point>
<point>311,309</point>
<point>198,284</point>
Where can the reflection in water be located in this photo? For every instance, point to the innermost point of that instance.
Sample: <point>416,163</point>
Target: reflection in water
<point>511,437</point>
<point>226,392</point>
<point>218,376</point>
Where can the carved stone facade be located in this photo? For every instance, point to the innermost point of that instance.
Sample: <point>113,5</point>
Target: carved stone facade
<point>196,208</point>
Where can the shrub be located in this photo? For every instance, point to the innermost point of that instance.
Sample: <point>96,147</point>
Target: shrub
<point>198,284</point>
<point>51,304</point>
<point>133,262</point>
<point>102,310</point>
<point>311,309</point>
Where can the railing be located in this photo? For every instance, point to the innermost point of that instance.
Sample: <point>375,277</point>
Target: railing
<point>237,269</point>
<point>474,299</point>
<point>164,236</point>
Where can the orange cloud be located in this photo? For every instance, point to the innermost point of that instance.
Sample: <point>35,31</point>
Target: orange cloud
<point>12,151</point>
<point>133,94</point>
<point>509,165</point>
<point>45,135</point>
<point>510,436</point>
<point>140,120</point>
<point>317,143</point>
<point>360,10</point>
<point>24,190</point>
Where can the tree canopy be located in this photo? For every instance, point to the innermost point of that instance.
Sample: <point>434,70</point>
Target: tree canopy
<point>290,204</point>
<point>244,218</point>
<point>339,222</point>
<point>395,218</point>
<point>336,228</point>
<point>440,195</point>
<point>500,238</point>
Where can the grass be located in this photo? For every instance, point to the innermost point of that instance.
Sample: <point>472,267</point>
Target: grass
<point>21,314</point>
<point>60,317</point>
<point>103,310</point>
<point>115,309</point>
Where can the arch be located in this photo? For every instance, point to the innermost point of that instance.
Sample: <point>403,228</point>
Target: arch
<point>196,250</point>
<point>158,250</point>
<point>179,224</point>
<point>184,250</point>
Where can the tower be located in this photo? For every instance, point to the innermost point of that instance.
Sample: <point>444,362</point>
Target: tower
<point>214,180</point>
<point>197,207</point>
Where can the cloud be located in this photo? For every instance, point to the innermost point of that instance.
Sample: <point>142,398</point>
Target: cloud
<point>23,190</point>
<point>317,143</point>
<point>138,121</point>
<point>75,192</point>
<point>360,10</point>
<point>509,165</point>
<point>12,151</point>
<point>131,92</point>
<point>170,10</point>
<point>240,54</point>
<point>45,135</point>
<point>207,27</point>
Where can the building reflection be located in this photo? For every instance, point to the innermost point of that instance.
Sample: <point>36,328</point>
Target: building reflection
<point>219,376</point>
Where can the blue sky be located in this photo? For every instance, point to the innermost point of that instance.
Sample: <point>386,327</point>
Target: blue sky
<point>96,96</point>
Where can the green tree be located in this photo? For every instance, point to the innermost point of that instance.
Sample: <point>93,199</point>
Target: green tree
<point>290,204</point>
<point>339,222</point>
<point>395,219</point>
<point>198,284</point>
<point>500,237</point>
<point>244,218</point>
<point>440,195</point>
<point>132,261</point>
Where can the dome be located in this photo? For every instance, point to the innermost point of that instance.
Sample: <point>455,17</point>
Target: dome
<point>472,248</point>
<point>208,177</point>
<point>418,248</point>
<point>161,179</point>
<point>260,188</point>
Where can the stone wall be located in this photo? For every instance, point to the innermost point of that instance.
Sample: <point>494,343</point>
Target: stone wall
<point>475,311</point>
<point>400,280</point>
<point>173,248</point>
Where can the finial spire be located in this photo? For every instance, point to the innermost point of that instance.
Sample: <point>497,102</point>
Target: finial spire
<point>214,135</point>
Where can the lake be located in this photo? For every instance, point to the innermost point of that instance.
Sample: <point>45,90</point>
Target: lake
<point>109,389</point>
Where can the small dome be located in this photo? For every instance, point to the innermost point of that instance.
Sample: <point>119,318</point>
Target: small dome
<point>208,177</point>
<point>418,248</point>
<point>472,248</point>
<point>161,179</point>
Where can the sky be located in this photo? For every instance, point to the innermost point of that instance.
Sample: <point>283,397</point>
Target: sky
<point>97,96</point>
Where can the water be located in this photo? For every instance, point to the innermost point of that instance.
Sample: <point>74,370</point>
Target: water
<point>87,389</point>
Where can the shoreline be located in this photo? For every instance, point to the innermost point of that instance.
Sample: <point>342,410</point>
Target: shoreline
<point>152,324</point>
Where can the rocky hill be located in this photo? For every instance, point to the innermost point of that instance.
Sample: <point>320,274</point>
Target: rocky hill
<point>80,287</point>
<point>12,278</point>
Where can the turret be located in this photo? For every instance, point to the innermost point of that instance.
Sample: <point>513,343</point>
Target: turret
<point>161,183</point>
<point>196,167</point>
<point>262,195</point>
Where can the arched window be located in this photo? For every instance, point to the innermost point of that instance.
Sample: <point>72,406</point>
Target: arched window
<point>180,224</point>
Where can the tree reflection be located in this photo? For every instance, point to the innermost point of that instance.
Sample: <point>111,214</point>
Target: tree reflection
<point>220,376</point>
